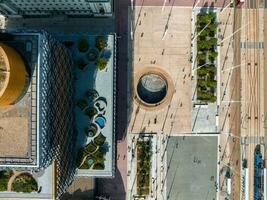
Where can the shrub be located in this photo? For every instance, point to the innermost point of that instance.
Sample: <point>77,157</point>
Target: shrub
<point>101,63</point>
<point>24,183</point>
<point>100,139</point>
<point>101,43</point>
<point>83,45</point>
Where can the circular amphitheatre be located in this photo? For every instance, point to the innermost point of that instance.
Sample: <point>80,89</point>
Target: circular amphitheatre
<point>153,88</point>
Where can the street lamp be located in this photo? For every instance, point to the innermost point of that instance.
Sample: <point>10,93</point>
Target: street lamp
<point>233,67</point>
<point>201,66</point>
<point>163,6</point>
<point>227,6</point>
<point>233,34</point>
<point>200,32</point>
<point>196,4</point>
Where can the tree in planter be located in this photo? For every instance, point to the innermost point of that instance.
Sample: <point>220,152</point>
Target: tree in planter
<point>83,45</point>
<point>101,43</point>
<point>101,63</point>
<point>201,56</point>
<point>212,83</point>
<point>202,84</point>
<point>211,42</point>
<point>212,54</point>
<point>81,64</point>
<point>213,27</point>
<point>82,104</point>
<point>91,112</point>
<point>213,98</point>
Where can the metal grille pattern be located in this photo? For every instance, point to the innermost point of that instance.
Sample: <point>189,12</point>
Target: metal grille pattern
<point>56,111</point>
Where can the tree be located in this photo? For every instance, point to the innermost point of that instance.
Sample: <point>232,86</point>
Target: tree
<point>101,43</point>
<point>101,63</point>
<point>83,45</point>
<point>212,83</point>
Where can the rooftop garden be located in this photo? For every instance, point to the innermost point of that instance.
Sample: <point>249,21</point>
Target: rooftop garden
<point>24,183</point>
<point>143,167</point>
<point>4,178</point>
<point>206,27</point>
<point>93,73</point>
<point>95,54</point>
<point>92,155</point>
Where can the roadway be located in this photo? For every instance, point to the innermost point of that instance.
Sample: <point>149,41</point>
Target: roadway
<point>252,106</point>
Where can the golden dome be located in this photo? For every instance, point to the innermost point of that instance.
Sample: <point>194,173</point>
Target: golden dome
<point>12,75</point>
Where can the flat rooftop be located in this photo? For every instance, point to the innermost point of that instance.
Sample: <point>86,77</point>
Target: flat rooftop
<point>192,162</point>
<point>18,136</point>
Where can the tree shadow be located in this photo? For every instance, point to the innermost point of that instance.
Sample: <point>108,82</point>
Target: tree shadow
<point>79,195</point>
<point>113,188</point>
<point>124,68</point>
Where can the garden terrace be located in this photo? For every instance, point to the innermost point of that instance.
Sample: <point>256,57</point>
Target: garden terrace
<point>24,183</point>
<point>206,27</point>
<point>94,97</point>
<point>143,167</point>
<point>4,178</point>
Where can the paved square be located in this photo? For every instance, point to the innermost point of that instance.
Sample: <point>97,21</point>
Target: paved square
<point>170,51</point>
<point>192,167</point>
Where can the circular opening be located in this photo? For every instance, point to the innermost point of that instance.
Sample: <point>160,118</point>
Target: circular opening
<point>152,88</point>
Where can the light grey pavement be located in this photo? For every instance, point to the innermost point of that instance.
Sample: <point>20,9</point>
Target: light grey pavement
<point>192,167</point>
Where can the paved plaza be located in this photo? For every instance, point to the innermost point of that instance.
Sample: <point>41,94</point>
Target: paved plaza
<point>162,40</point>
<point>192,167</point>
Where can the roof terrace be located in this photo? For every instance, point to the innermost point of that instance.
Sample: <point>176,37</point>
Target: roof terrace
<point>18,135</point>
